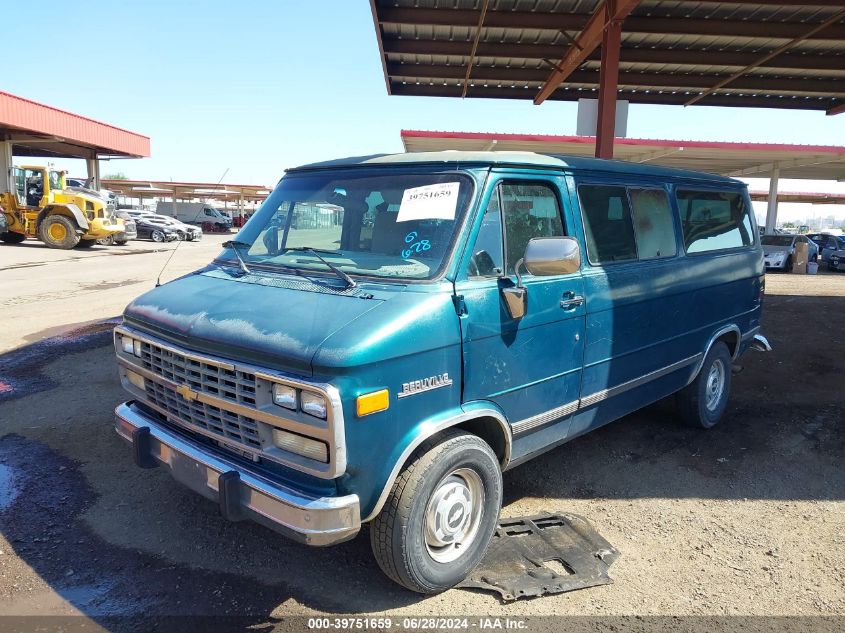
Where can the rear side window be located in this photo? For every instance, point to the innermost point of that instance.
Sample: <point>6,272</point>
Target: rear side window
<point>653,225</point>
<point>714,220</point>
<point>607,223</point>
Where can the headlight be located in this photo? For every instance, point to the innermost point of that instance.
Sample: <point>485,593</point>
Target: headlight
<point>301,445</point>
<point>284,396</point>
<point>313,404</point>
<point>130,345</point>
<point>136,379</point>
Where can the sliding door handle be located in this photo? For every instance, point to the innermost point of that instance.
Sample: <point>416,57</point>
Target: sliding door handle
<point>570,301</point>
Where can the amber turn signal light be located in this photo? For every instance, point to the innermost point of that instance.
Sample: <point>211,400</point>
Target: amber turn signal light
<point>373,402</point>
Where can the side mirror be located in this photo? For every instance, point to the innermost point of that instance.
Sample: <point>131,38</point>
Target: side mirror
<point>544,256</point>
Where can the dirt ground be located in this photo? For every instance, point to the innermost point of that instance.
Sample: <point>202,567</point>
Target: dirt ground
<point>745,519</point>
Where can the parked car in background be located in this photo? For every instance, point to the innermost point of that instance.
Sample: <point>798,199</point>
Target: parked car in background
<point>130,231</point>
<point>150,227</point>
<point>779,250</point>
<point>827,244</point>
<point>836,260</point>
<point>187,232</point>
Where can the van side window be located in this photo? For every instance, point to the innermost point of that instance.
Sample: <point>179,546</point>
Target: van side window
<point>531,210</point>
<point>714,220</point>
<point>653,226</point>
<point>487,254</point>
<point>607,223</point>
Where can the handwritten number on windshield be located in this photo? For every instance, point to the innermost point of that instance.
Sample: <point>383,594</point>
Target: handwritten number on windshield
<point>415,246</point>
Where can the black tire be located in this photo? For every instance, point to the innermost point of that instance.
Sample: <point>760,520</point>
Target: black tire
<point>69,237</point>
<point>10,237</point>
<point>398,534</point>
<point>788,265</point>
<point>86,243</point>
<point>108,240</point>
<point>692,402</point>
<point>120,243</point>
<point>157,236</point>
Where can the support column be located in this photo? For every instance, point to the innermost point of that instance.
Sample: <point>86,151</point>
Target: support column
<point>608,85</point>
<point>772,208</point>
<point>93,166</point>
<point>6,164</point>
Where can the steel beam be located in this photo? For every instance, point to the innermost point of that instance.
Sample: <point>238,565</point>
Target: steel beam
<point>681,57</point>
<point>822,159</point>
<point>772,207</point>
<point>837,109</point>
<point>570,94</point>
<point>474,46</point>
<point>608,84</point>
<point>681,81</point>
<point>585,43</point>
<point>558,21</point>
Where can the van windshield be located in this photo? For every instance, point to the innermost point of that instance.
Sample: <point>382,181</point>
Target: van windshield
<point>390,225</point>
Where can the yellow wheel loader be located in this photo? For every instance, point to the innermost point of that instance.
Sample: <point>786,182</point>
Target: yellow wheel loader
<point>42,206</point>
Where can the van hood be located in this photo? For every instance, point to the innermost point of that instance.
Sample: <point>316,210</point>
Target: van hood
<point>272,321</point>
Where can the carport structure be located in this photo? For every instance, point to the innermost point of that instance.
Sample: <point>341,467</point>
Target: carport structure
<point>189,191</point>
<point>761,54</point>
<point>28,128</point>
<point>741,160</point>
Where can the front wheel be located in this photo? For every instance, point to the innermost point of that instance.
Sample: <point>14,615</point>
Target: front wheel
<point>157,236</point>
<point>788,265</point>
<point>440,515</point>
<point>702,403</point>
<point>57,231</point>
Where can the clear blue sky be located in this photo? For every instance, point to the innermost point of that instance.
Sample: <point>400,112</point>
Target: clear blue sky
<point>257,86</point>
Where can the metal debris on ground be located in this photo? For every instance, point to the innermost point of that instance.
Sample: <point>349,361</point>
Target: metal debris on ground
<point>543,554</point>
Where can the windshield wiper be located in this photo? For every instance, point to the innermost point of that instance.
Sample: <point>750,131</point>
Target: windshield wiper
<point>234,245</point>
<point>350,283</point>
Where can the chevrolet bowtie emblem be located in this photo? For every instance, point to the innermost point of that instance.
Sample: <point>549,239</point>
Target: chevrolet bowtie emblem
<point>187,393</point>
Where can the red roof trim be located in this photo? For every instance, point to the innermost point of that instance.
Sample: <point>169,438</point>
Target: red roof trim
<point>590,140</point>
<point>205,185</point>
<point>38,118</point>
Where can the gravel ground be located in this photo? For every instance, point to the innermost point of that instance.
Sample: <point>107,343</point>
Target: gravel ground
<point>746,519</point>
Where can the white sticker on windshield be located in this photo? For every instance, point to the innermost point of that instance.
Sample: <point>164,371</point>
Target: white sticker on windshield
<point>431,202</point>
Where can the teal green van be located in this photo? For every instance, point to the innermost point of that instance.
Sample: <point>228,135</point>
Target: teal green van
<point>388,334</point>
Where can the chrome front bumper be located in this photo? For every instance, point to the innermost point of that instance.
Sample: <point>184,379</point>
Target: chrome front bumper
<point>241,493</point>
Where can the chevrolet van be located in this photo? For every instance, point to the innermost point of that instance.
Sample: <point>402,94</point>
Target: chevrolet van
<point>388,334</point>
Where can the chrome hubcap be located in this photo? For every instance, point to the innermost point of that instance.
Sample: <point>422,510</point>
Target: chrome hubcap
<point>715,385</point>
<point>453,515</point>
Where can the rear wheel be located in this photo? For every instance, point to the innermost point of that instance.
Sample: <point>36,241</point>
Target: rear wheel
<point>702,403</point>
<point>440,515</point>
<point>57,231</point>
<point>121,242</point>
<point>108,240</point>
<point>12,238</point>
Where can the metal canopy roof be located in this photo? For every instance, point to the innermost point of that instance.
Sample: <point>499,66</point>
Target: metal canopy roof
<point>755,54</point>
<point>36,129</point>
<point>143,189</point>
<point>749,160</point>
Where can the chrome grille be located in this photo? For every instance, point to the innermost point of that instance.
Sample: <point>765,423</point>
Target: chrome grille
<point>235,386</point>
<point>239,428</point>
<point>227,384</point>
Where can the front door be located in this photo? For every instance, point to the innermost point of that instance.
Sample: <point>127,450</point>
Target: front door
<point>529,367</point>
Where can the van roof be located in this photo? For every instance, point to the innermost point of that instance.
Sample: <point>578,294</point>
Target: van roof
<point>517,159</point>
